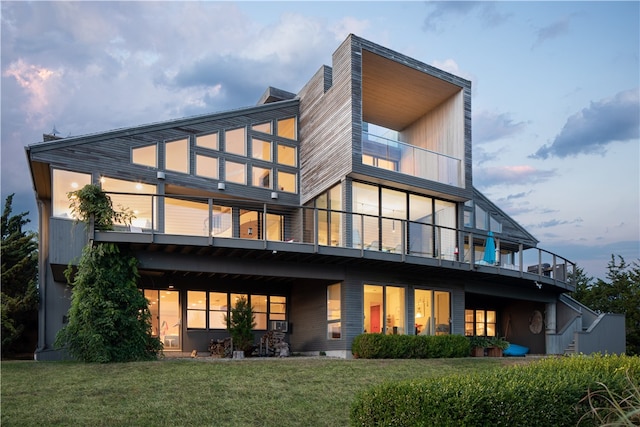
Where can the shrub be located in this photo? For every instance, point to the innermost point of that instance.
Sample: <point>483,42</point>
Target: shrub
<point>378,346</point>
<point>240,324</point>
<point>548,392</point>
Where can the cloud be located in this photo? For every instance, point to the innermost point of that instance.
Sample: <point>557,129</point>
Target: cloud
<point>37,82</point>
<point>510,175</point>
<point>481,156</point>
<point>441,11</point>
<point>488,126</point>
<point>349,25</point>
<point>552,31</point>
<point>555,222</point>
<point>592,129</point>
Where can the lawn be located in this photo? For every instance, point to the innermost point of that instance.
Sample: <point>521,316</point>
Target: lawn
<point>174,392</point>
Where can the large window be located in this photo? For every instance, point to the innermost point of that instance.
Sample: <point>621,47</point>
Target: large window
<point>218,307</point>
<point>265,308</point>
<point>176,156</point>
<point>287,155</point>
<point>63,183</point>
<point>384,309</point>
<point>259,307</point>
<point>138,199</point>
<point>252,225</point>
<point>334,324</point>
<point>196,310</point>
<point>480,322</point>
<point>261,177</point>
<point>236,141</point>
<point>262,127</point>
<point>261,149</point>
<point>432,312</point>
<point>186,217</point>
<point>222,222</point>
<point>287,128</point>
<point>164,306</point>
<point>277,308</point>
<point>146,156</point>
<point>330,223</point>
<point>366,202</point>
<point>236,172</point>
<point>206,166</point>
<point>288,182</point>
<point>208,141</point>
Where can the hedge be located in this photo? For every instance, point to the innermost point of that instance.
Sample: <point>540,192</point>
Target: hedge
<point>549,392</point>
<point>379,346</point>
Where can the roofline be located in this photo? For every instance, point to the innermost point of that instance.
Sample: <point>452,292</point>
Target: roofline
<point>134,130</point>
<point>516,223</point>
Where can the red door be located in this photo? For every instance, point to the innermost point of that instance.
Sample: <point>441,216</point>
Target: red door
<point>375,318</point>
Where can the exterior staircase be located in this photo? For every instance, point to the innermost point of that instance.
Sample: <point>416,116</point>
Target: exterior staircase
<point>583,331</point>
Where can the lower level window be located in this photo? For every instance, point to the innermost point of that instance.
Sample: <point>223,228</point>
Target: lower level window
<point>432,312</point>
<point>480,322</point>
<point>334,324</point>
<point>384,309</point>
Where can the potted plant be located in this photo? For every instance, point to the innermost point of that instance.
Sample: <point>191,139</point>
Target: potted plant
<point>496,345</point>
<point>478,344</point>
<point>240,325</point>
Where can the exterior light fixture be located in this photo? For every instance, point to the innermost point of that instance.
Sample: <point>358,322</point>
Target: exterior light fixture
<point>221,186</point>
<point>160,175</point>
<point>274,195</point>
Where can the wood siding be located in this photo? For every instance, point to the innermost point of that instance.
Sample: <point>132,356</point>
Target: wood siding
<point>326,118</point>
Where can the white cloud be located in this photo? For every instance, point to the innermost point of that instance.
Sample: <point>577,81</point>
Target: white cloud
<point>349,25</point>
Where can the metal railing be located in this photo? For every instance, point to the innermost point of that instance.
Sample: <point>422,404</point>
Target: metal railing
<point>411,160</point>
<point>224,218</point>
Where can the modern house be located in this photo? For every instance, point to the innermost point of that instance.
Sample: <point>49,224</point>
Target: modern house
<point>348,207</point>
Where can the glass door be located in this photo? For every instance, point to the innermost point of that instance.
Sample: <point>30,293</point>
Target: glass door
<point>165,316</point>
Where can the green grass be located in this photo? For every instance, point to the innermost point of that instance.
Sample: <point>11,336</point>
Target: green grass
<point>266,392</point>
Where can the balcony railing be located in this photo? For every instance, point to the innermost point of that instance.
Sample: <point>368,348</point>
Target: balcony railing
<point>223,218</point>
<point>410,160</point>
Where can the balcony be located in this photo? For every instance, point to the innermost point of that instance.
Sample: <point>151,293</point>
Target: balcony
<point>229,225</point>
<point>411,160</point>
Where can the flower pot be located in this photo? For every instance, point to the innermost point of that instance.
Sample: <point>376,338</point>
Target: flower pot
<point>477,352</point>
<point>494,352</point>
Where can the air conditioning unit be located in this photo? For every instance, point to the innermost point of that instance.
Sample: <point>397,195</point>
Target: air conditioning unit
<point>279,325</point>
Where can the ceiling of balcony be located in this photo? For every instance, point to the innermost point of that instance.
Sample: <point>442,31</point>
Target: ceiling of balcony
<point>395,95</point>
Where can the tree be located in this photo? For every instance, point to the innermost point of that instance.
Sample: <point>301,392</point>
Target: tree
<point>240,324</point>
<point>109,318</point>
<point>619,294</point>
<point>19,277</point>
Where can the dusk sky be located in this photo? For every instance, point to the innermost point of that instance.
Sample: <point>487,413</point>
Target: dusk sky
<point>555,105</point>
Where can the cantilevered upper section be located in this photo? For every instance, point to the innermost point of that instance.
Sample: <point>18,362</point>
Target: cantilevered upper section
<point>381,116</point>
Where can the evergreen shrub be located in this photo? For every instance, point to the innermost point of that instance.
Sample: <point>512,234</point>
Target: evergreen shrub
<point>551,391</point>
<point>379,346</point>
